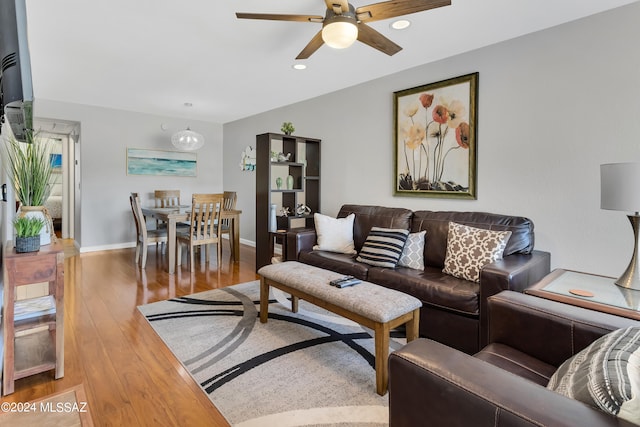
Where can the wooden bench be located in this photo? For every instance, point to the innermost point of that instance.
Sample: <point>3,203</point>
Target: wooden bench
<point>376,307</point>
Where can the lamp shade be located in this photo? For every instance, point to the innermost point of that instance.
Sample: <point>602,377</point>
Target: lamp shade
<point>187,140</point>
<point>620,187</point>
<point>340,34</point>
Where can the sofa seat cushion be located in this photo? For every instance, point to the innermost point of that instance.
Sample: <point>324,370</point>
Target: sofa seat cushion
<point>340,263</point>
<point>431,286</point>
<point>517,362</point>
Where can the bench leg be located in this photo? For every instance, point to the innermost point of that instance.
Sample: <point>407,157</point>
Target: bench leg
<point>264,300</point>
<point>294,303</point>
<point>413,325</point>
<point>382,355</point>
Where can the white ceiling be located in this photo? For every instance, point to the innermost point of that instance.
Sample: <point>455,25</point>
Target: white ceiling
<point>152,56</point>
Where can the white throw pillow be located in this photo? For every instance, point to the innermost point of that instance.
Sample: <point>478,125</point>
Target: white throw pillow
<point>334,234</point>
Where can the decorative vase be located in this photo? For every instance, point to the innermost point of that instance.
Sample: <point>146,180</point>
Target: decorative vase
<point>279,183</point>
<point>273,222</point>
<point>27,244</point>
<point>42,213</point>
<point>289,182</point>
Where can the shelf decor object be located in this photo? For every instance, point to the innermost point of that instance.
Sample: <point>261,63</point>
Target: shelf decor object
<point>301,167</point>
<point>435,139</point>
<point>620,191</point>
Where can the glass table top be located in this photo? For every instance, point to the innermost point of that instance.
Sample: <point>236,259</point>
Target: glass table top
<point>604,289</point>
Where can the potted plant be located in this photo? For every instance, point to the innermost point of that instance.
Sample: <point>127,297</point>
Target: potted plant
<point>29,165</point>
<point>28,233</point>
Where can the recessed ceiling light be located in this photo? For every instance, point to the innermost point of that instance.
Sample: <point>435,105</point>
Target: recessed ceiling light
<point>400,24</point>
<point>298,66</point>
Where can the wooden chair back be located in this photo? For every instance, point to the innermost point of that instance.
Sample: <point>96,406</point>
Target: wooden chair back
<point>230,199</point>
<point>204,226</point>
<point>132,201</point>
<point>167,198</point>
<point>205,218</point>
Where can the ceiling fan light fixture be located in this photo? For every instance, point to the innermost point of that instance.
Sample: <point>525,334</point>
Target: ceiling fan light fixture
<point>187,140</point>
<point>340,34</point>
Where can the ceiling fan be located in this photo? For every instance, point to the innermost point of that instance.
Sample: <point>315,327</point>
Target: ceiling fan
<point>343,24</point>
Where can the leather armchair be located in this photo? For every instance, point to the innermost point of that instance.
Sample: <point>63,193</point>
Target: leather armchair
<point>503,384</point>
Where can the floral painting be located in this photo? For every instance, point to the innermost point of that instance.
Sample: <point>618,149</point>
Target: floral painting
<point>435,138</point>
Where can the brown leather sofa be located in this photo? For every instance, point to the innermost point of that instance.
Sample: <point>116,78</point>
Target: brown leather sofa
<point>504,384</point>
<point>453,309</point>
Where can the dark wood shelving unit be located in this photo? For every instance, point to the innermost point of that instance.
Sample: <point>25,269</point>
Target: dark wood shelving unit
<point>43,348</point>
<point>304,167</point>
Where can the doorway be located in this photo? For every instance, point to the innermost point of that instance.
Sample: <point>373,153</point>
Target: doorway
<point>65,181</point>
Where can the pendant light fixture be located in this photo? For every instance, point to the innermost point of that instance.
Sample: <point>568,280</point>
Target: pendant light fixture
<point>187,140</point>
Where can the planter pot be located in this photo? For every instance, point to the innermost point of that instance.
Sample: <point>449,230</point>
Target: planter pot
<point>42,213</point>
<point>27,244</point>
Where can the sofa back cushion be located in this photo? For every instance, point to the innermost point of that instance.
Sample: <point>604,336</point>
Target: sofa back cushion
<point>375,216</point>
<point>436,224</point>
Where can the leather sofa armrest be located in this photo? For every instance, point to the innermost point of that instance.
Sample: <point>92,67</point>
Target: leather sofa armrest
<point>299,241</point>
<point>547,330</point>
<point>431,384</point>
<point>516,273</point>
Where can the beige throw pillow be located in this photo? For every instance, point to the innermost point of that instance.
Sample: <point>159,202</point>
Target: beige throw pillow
<point>334,234</point>
<point>469,249</point>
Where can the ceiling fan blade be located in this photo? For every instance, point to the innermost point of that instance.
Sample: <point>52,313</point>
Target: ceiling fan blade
<point>279,17</point>
<point>373,38</point>
<point>313,45</point>
<point>338,6</point>
<point>394,8</point>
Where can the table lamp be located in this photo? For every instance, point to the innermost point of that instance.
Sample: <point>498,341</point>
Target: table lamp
<point>620,191</point>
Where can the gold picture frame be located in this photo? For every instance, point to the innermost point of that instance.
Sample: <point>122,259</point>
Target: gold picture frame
<point>435,139</point>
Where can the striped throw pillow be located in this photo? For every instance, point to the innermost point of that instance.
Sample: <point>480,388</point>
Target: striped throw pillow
<point>605,375</point>
<point>383,247</point>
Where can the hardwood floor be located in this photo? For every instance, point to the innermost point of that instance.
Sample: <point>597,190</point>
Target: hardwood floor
<point>130,377</point>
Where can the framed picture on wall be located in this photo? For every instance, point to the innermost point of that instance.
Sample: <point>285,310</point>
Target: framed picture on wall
<point>56,160</point>
<point>435,139</point>
<point>157,162</point>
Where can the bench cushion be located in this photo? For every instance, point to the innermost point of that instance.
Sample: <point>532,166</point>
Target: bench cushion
<point>374,302</point>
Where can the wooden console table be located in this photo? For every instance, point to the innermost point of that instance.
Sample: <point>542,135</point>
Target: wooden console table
<point>43,349</point>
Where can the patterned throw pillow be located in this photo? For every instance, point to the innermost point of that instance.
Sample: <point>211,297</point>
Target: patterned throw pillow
<point>413,252</point>
<point>605,375</point>
<point>334,234</point>
<point>469,249</point>
<point>383,247</point>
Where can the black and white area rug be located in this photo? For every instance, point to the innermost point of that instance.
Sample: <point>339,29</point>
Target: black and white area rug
<point>298,369</point>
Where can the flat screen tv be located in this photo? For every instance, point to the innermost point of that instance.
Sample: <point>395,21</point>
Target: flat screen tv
<point>16,88</point>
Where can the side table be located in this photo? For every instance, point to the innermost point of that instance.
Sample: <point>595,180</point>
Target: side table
<point>590,291</point>
<point>42,348</point>
<point>280,237</point>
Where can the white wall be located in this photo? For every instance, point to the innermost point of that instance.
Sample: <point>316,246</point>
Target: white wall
<point>553,106</point>
<point>106,219</point>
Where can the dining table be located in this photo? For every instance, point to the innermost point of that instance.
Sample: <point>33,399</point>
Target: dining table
<point>177,214</point>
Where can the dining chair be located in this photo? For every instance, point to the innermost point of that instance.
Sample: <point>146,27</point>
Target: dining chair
<point>166,199</point>
<point>145,237</point>
<point>204,227</point>
<point>229,204</point>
